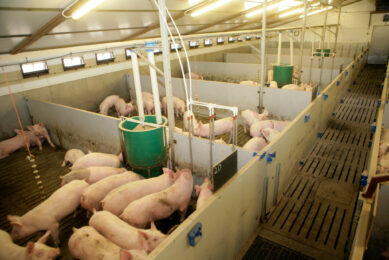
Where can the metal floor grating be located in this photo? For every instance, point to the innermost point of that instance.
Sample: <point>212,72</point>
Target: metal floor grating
<point>314,215</point>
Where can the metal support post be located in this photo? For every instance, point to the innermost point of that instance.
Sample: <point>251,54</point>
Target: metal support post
<point>168,76</point>
<point>263,39</point>
<point>323,33</point>
<point>302,40</point>
<point>336,41</point>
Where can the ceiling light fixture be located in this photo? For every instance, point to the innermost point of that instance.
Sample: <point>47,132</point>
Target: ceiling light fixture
<point>317,11</point>
<point>291,13</point>
<point>209,7</point>
<point>85,8</point>
<point>259,11</point>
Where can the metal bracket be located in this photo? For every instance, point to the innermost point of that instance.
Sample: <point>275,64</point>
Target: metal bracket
<point>346,72</point>
<point>379,103</point>
<point>276,184</point>
<point>333,114</point>
<point>306,118</point>
<point>264,199</point>
<point>262,156</point>
<point>325,96</point>
<point>196,232</point>
<point>338,83</point>
<point>320,135</point>
<point>373,128</point>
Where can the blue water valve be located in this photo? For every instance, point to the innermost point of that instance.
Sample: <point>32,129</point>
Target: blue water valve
<point>363,179</point>
<point>195,234</point>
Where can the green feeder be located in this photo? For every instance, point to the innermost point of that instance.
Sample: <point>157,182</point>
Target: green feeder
<point>145,146</point>
<point>282,74</point>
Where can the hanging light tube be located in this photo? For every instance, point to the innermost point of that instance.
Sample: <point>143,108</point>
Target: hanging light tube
<point>291,13</point>
<point>85,8</point>
<point>209,7</point>
<point>317,11</point>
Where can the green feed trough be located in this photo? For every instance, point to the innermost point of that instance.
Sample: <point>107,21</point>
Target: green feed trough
<point>282,74</point>
<point>145,147</point>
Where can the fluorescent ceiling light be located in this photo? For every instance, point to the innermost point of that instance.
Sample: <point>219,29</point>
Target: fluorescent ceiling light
<point>193,2</point>
<point>287,4</point>
<point>291,13</point>
<point>251,4</point>
<point>315,4</point>
<point>209,7</point>
<point>85,8</point>
<point>317,11</point>
<point>259,11</point>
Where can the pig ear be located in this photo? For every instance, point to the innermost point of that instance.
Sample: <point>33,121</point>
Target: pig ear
<point>30,249</point>
<point>210,187</point>
<point>14,220</point>
<point>43,239</point>
<point>18,131</point>
<point>125,255</point>
<point>143,237</point>
<point>41,124</point>
<point>74,229</point>
<point>89,151</point>
<point>29,127</point>
<point>198,189</point>
<point>152,225</point>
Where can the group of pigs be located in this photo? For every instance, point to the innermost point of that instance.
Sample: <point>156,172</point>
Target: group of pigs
<point>125,109</point>
<point>263,131</point>
<point>123,203</point>
<point>34,136</point>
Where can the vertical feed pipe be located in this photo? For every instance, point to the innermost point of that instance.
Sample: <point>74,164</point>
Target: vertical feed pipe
<point>154,82</point>
<point>138,90</point>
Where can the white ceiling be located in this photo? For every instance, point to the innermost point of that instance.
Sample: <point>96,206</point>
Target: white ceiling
<point>113,20</point>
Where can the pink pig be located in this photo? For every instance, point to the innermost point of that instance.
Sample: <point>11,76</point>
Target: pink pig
<point>40,131</point>
<point>46,215</point>
<point>87,243</point>
<point>91,174</point>
<point>162,204</point>
<point>222,126</point>
<point>96,159</point>
<point>255,129</point>
<point>203,192</point>
<point>125,235</point>
<point>249,82</point>
<point>179,106</point>
<point>71,156</point>
<point>123,108</point>
<point>269,134</point>
<point>148,102</point>
<point>249,117</point>
<point>92,195</point>
<point>255,144</point>
<point>15,143</point>
<point>193,76</point>
<point>33,251</point>
<point>118,199</point>
<point>280,125</point>
<point>107,103</point>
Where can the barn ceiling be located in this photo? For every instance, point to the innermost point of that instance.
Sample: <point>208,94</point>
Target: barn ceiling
<point>27,25</point>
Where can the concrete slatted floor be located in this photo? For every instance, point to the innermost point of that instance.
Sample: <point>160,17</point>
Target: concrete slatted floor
<point>315,213</point>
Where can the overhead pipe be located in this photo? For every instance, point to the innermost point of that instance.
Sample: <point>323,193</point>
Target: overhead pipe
<point>263,39</point>
<point>279,48</point>
<point>138,89</point>
<point>154,82</point>
<point>168,76</point>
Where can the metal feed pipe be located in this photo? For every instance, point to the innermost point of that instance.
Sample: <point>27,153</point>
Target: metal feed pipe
<point>279,48</point>
<point>302,39</point>
<point>263,43</point>
<point>154,84</point>
<point>291,46</point>
<point>138,90</point>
